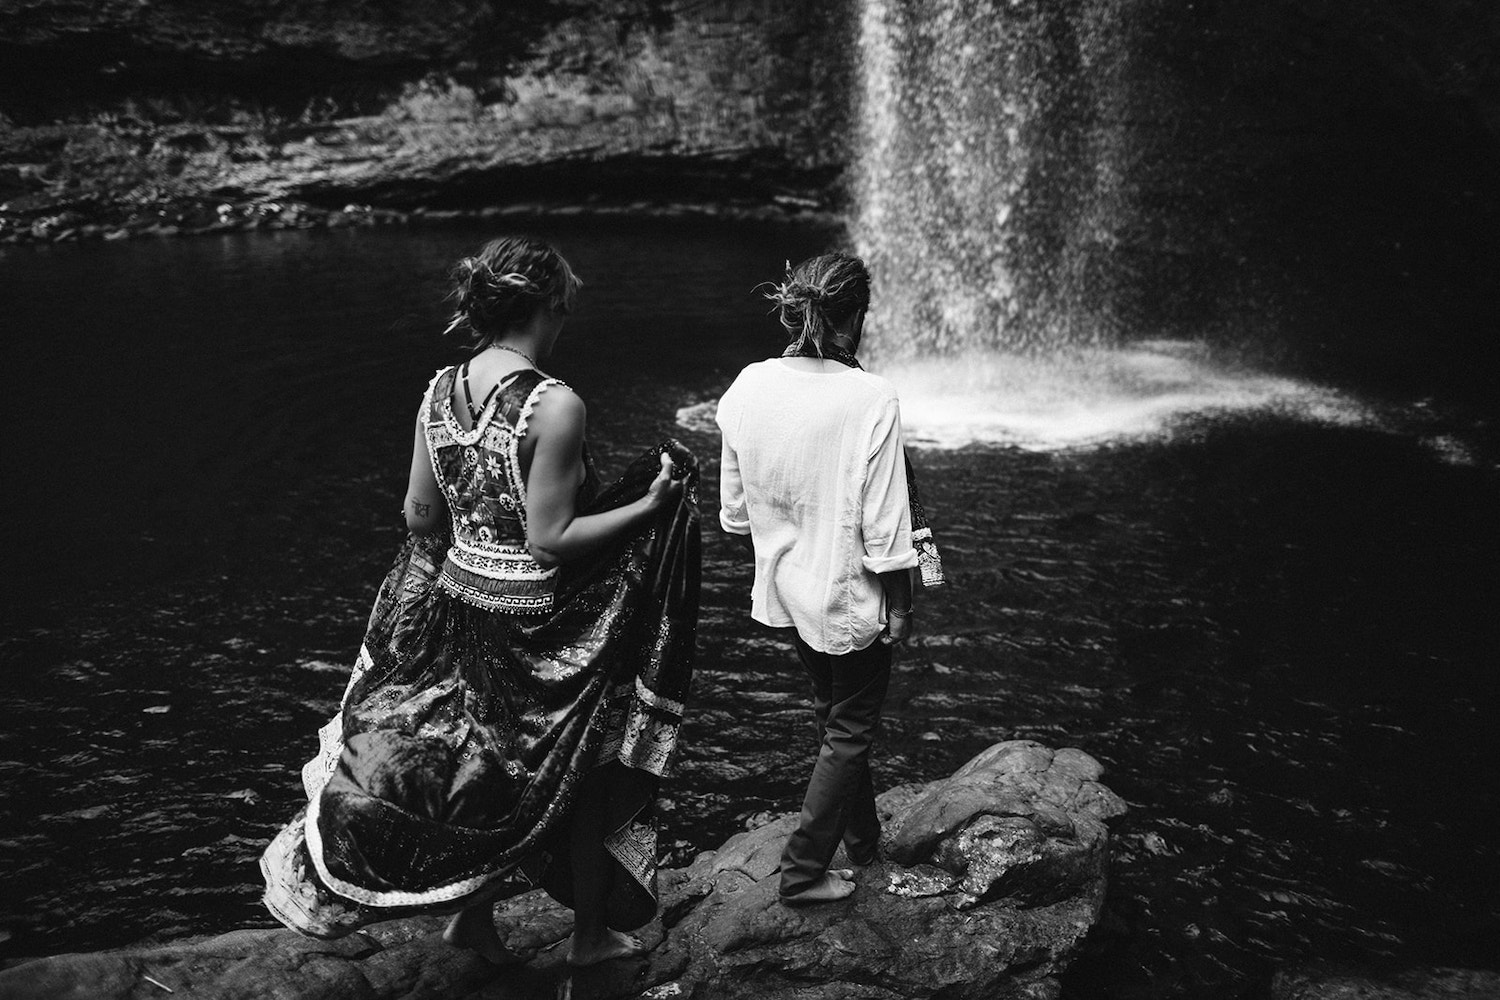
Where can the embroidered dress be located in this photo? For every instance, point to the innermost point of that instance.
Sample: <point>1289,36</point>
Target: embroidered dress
<point>487,689</point>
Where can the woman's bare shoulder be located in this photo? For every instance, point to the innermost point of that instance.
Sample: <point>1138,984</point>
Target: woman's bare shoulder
<point>555,407</point>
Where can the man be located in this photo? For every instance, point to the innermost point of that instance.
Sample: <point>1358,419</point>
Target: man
<point>813,476</point>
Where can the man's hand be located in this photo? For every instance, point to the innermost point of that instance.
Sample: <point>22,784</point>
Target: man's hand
<point>897,629</point>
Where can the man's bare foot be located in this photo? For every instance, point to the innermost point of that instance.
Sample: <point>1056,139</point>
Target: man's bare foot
<point>474,929</point>
<point>609,945</point>
<point>833,885</point>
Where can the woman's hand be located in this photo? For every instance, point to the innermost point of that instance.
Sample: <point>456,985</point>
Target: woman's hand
<point>666,489</point>
<point>897,629</point>
<point>555,532</point>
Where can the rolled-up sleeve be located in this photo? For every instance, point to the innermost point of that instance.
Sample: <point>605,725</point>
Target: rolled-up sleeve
<point>733,516</point>
<point>886,518</point>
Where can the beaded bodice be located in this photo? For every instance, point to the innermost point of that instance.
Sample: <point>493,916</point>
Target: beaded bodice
<point>479,472</point>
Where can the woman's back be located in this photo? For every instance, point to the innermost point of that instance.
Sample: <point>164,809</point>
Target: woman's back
<point>480,467</point>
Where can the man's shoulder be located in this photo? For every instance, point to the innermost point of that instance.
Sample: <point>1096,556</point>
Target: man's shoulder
<point>752,371</point>
<point>748,375</point>
<point>756,369</point>
<point>745,374</point>
<point>878,387</point>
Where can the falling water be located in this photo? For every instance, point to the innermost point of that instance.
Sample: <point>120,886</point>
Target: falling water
<point>992,183</point>
<point>948,100</point>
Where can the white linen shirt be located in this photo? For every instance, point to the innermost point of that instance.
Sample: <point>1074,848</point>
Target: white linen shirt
<point>813,470</point>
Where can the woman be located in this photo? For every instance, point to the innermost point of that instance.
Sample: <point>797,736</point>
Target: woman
<point>524,669</point>
<point>813,477</point>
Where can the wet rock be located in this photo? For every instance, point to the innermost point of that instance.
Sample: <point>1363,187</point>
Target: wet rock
<point>1048,791</point>
<point>1321,982</point>
<point>992,904</point>
<point>986,884</point>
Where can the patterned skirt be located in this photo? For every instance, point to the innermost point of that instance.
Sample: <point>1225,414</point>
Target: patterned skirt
<point>464,738</point>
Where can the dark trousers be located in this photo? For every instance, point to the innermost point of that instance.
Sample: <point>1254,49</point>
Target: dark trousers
<point>840,802</point>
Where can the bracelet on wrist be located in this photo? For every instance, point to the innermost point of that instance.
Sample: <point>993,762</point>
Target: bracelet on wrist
<point>899,613</point>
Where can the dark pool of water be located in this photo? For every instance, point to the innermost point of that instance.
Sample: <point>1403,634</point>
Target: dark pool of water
<point>1279,638</point>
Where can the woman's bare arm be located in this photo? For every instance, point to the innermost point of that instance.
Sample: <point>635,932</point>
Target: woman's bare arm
<point>425,507</point>
<point>555,531</point>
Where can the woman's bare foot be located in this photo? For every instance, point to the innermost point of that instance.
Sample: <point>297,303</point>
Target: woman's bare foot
<point>474,929</point>
<point>609,945</point>
<point>833,885</point>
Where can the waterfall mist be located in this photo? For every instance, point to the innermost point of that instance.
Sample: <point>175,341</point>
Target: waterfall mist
<point>996,180</point>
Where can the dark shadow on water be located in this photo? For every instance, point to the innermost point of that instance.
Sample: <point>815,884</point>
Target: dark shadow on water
<point>1312,706</point>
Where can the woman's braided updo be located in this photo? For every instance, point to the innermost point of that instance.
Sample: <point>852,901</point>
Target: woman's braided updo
<point>818,295</point>
<point>503,285</point>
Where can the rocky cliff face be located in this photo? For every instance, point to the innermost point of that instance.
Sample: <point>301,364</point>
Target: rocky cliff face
<point>141,115</point>
<point>63,53</point>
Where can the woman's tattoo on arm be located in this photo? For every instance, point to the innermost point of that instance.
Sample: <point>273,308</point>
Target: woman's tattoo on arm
<point>421,509</point>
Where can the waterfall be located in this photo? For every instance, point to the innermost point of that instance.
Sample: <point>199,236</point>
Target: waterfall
<point>991,179</point>
<point>962,184</point>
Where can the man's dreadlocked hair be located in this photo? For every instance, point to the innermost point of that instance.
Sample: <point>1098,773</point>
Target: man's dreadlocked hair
<point>819,294</point>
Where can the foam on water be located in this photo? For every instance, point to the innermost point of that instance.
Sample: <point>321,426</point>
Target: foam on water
<point>698,417</point>
<point>1095,396</point>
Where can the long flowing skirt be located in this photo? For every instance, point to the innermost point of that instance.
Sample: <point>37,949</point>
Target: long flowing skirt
<point>465,735</point>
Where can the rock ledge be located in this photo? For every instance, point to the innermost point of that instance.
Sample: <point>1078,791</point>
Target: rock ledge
<point>987,882</point>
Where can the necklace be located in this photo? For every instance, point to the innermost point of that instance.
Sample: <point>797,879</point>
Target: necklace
<point>515,350</point>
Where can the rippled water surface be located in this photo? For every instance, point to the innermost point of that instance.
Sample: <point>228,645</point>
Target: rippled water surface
<point>1279,634</point>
